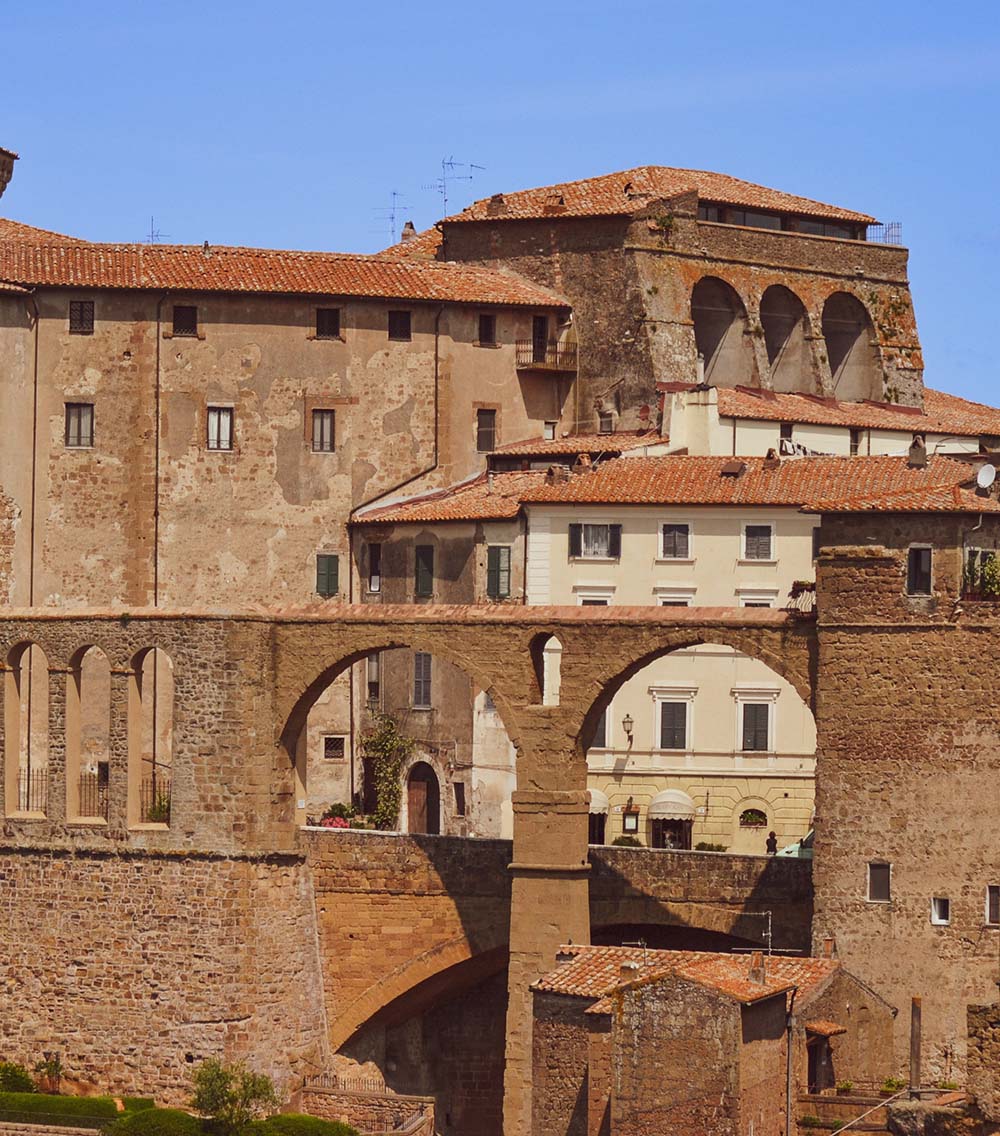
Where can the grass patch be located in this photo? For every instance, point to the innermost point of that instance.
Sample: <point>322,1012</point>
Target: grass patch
<point>298,1124</point>
<point>157,1122</point>
<point>41,1108</point>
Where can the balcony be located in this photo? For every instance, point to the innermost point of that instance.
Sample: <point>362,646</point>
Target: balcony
<point>536,355</point>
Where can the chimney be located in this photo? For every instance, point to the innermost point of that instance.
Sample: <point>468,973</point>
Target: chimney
<point>917,458</point>
<point>496,206</point>
<point>582,463</point>
<point>772,460</point>
<point>629,970</point>
<point>489,481</point>
<point>829,947</point>
<point>408,233</point>
<point>757,973</point>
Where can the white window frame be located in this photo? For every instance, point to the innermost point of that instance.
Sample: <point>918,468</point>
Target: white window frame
<point>604,558</point>
<point>757,695</point>
<point>674,594</point>
<point>549,429</point>
<point>666,693</point>
<point>660,558</point>
<point>220,409</point>
<point>757,597</point>
<point>936,918</point>
<point>347,752</point>
<point>986,907</point>
<point>744,525</point>
<point>605,592</point>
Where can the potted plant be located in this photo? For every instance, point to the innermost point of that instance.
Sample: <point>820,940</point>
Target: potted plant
<point>845,1088</point>
<point>891,1086</point>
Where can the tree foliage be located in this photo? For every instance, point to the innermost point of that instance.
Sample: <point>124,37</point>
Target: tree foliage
<point>386,749</point>
<point>232,1096</point>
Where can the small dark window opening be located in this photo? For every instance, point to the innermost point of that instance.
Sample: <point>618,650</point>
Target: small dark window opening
<point>785,431</point>
<point>498,571</point>
<point>424,570</point>
<point>486,431</point>
<point>375,567</point>
<point>918,572</point>
<point>605,423</point>
<point>600,738</point>
<point>399,326</point>
<point>79,424</point>
<point>334,747</point>
<point>459,787</point>
<point>373,668</point>
<point>878,882</point>
<point>81,317</point>
<point>324,431</point>
<point>185,319</point>
<point>993,903</point>
<point>327,575</point>
<point>756,719</point>
<point>487,329</point>
<point>328,323</point>
<point>596,826</point>
<point>855,442</point>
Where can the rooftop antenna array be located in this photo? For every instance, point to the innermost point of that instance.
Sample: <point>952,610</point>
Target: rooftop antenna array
<point>448,175</point>
<point>154,236</point>
<point>396,207</point>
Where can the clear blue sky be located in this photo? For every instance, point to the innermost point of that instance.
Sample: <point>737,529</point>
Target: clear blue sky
<point>288,125</point>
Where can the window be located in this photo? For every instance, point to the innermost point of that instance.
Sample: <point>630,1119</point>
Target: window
<point>669,596</point>
<point>549,431</point>
<point>993,904</point>
<point>328,323</point>
<point>486,431</point>
<point>327,575</point>
<point>753,818</point>
<point>399,325</point>
<point>878,881</point>
<point>81,317</point>
<point>595,542</point>
<point>373,668</point>
<point>709,212</point>
<point>676,542</point>
<point>855,441</point>
<point>220,427</point>
<point>785,431</point>
<point>79,424</point>
<point>498,571</point>
<point>605,423</point>
<point>600,738</point>
<point>421,680</point>
<point>185,319</point>
<point>918,572</point>
<point>756,726</point>
<point>324,431</point>
<point>940,911</point>
<point>424,570</point>
<point>673,725</point>
<point>334,747</point>
<point>593,601</point>
<point>757,540</point>
<point>757,597</point>
<point>487,329</point>
<point>596,826</point>
<point>375,567</point>
<point>459,787</point>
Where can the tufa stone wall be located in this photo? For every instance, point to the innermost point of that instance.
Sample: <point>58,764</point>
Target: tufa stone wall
<point>984,1058</point>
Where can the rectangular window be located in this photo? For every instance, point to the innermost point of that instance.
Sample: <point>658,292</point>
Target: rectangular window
<point>220,427</point>
<point>486,431</point>
<point>399,326</point>
<point>372,676</point>
<point>79,424</point>
<point>878,882</point>
<point>600,738</point>
<point>549,431</point>
<point>487,329</point>
<point>421,680</point>
<point>498,571</point>
<point>81,317</point>
<point>709,213</point>
<point>785,431</point>
<point>918,572</point>
<point>605,423</point>
<point>673,725</point>
<point>459,798</point>
<point>940,911</point>
<point>757,542</point>
<point>756,726</point>
<point>375,567</point>
<point>327,575</point>
<point>595,542</point>
<point>334,747</point>
<point>328,323</point>
<point>855,442</point>
<point>993,904</point>
<point>676,542</point>
<point>185,319</point>
<point>424,570</point>
<point>324,424</point>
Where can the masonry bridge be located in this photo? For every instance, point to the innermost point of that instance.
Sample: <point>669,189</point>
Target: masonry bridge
<point>243,684</point>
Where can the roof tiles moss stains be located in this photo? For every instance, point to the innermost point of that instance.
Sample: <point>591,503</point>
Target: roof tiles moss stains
<point>486,498</point>
<point>190,268</point>
<point>424,245</point>
<point>628,190</point>
<point>18,231</point>
<point>618,443</point>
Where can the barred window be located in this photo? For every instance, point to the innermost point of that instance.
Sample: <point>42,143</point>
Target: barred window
<point>328,323</point>
<point>185,319</point>
<point>220,427</point>
<point>81,317</point>
<point>79,424</point>
<point>324,431</point>
<point>399,326</point>
<point>334,747</point>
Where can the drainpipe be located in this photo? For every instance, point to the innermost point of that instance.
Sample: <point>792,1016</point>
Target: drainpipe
<point>788,1063</point>
<point>34,313</point>
<point>156,468</point>
<point>350,669</point>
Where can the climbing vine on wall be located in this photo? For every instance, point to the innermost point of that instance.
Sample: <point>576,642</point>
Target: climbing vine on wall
<point>386,750</point>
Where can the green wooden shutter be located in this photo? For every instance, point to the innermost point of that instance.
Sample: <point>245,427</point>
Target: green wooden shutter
<point>327,575</point>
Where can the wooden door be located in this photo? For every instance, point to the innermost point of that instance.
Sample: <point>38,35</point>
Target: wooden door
<point>416,805</point>
<point>539,338</point>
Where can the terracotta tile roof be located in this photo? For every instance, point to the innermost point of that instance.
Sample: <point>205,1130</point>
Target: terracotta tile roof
<point>824,1028</point>
<point>15,289</point>
<point>482,499</point>
<point>586,443</point>
<point>594,972</point>
<point>945,498</point>
<point>689,480</point>
<point>424,245</point>
<point>18,231</point>
<point>190,268</point>
<point>942,413</point>
<point>628,190</point>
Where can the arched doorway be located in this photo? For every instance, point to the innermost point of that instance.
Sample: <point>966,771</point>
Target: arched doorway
<point>423,800</point>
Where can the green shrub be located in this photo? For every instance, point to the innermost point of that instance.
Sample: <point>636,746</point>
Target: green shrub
<point>231,1096</point>
<point>156,1122</point>
<point>892,1085</point>
<point>948,1086</point>
<point>137,1104</point>
<point>39,1108</point>
<point>298,1124</point>
<point>626,841</point>
<point>707,846</point>
<point>810,1121</point>
<point>15,1079</point>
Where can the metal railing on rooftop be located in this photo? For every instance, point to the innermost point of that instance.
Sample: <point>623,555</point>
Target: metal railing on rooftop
<point>886,233</point>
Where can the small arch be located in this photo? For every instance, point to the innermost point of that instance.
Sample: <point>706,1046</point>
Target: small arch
<point>423,800</point>
<point>546,656</point>
<point>720,333</point>
<point>26,731</point>
<point>150,737</point>
<point>88,735</point>
<point>850,348</point>
<point>783,319</point>
<point>752,820</point>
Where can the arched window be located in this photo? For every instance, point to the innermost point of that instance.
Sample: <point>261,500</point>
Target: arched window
<point>88,735</point>
<point>423,800</point>
<point>847,330</point>
<point>720,326</point>
<point>546,654</point>
<point>783,319</point>
<point>151,738</point>
<point>753,818</point>
<point>26,728</point>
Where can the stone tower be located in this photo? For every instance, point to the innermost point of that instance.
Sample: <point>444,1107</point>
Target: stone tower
<point>7,160</point>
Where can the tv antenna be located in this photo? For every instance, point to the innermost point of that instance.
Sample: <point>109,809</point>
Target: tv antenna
<point>396,206</point>
<point>448,175</point>
<point>154,236</point>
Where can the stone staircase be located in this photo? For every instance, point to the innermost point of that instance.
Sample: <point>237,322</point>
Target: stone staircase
<point>834,1111</point>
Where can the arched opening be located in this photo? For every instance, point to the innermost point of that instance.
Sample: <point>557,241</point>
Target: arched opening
<point>783,318</point>
<point>546,655</point>
<point>671,816</point>
<point>423,800</point>
<point>26,731</point>
<point>150,737</point>
<point>88,735</point>
<point>720,333</point>
<point>850,348</point>
<point>751,825</point>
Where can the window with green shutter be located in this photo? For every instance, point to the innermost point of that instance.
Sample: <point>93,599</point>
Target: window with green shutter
<point>498,571</point>
<point>423,584</point>
<point>673,725</point>
<point>756,725</point>
<point>327,575</point>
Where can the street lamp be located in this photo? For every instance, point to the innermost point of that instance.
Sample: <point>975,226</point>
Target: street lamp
<point>627,725</point>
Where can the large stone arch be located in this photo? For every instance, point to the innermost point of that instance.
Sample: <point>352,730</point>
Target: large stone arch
<point>852,353</point>
<point>721,333</point>
<point>785,325</point>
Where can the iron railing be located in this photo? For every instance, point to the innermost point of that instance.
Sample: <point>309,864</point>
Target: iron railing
<point>32,790</point>
<point>93,796</point>
<point>154,800</point>
<point>550,355</point>
<point>886,233</point>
